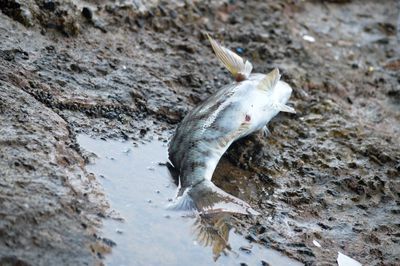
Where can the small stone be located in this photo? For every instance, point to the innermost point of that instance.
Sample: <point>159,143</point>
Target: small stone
<point>87,13</point>
<point>173,14</point>
<point>142,132</point>
<point>264,263</point>
<point>49,5</point>
<point>111,115</point>
<point>316,243</point>
<point>308,38</point>
<point>239,50</point>
<point>108,242</point>
<point>246,249</point>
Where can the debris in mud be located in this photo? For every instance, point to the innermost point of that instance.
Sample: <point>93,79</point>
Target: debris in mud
<point>87,13</point>
<point>344,260</point>
<point>308,38</point>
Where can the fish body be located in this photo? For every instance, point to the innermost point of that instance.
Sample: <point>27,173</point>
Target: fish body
<point>203,136</point>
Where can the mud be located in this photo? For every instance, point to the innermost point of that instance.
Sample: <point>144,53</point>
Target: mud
<point>132,70</point>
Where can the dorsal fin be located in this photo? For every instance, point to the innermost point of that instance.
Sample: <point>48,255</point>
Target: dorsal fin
<point>239,68</point>
<point>270,80</point>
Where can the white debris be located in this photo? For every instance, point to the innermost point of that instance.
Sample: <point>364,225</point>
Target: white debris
<point>308,38</point>
<point>344,260</point>
<point>315,242</point>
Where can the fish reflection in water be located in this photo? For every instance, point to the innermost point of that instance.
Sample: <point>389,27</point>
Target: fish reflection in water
<point>212,229</point>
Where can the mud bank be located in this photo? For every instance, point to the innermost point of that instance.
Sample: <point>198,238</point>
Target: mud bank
<point>132,70</point>
<point>47,199</point>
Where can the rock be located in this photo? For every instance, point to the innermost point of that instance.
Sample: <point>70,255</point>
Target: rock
<point>87,13</point>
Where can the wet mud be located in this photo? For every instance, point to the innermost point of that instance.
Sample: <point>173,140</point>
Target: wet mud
<point>131,70</point>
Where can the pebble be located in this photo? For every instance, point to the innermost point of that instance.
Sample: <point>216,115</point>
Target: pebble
<point>246,249</point>
<point>239,50</point>
<point>315,242</point>
<point>87,13</point>
<point>308,38</point>
<point>49,5</point>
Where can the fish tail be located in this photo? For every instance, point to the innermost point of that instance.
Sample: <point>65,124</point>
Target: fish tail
<point>183,201</point>
<point>206,197</point>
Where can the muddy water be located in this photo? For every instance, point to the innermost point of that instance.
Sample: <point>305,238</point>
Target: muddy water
<point>139,188</point>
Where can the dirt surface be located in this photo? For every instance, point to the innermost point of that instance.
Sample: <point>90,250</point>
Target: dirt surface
<point>132,70</point>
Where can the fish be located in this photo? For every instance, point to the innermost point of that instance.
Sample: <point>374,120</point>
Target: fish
<point>236,110</point>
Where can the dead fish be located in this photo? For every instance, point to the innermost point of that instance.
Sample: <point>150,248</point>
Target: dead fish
<point>203,136</point>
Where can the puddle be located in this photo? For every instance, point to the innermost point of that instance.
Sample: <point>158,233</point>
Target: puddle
<point>138,188</point>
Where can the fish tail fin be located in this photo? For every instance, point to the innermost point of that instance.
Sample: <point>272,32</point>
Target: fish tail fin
<point>182,201</point>
<point>239,68</point>
<point>206,197</point>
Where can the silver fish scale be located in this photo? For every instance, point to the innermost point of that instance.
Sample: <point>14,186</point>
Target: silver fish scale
<point>206,132</point>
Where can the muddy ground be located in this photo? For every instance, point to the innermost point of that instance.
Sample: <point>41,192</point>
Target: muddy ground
<point>132,69</point>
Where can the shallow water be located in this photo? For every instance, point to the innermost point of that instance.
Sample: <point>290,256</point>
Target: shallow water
<point>138,188</point>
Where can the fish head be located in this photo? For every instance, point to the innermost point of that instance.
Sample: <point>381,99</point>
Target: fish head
<point>275,91</point>
<point>282,92</point>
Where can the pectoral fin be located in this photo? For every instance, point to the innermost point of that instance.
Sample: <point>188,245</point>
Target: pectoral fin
<point>283,108</point>
<point>270,80</point>
<point>239,68</point>
<point>266,131</point>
